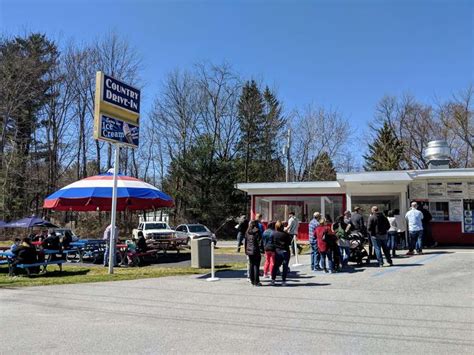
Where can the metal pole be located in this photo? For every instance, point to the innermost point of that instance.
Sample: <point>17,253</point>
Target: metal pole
<point>288,145</point>
<point>296,252</point>
<point>114,211</point>
<point>212,278</point>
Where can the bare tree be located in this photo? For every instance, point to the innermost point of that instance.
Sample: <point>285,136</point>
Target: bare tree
<point>317,130</point>
<point>457,117</point>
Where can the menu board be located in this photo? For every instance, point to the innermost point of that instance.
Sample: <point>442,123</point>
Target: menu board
<point>436,189</point>
<point>417,190</point>
<point>470,189</point>
<point>455,210</point>
<point>468,216</point>
<point>455,189</point>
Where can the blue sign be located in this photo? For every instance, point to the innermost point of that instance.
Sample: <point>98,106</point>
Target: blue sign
<point>118,131</point>
<point>468,216</point>
<point>120,94</point>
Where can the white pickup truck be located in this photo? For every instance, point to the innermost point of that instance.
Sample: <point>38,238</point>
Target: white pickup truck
<point>154,230</point>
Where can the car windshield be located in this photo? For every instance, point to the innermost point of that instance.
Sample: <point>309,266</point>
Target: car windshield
<point>63,231</point>
<point>198,228</point>
<point>155,226</point>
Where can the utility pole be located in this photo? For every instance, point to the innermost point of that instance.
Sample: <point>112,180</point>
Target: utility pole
<point>287,152</point>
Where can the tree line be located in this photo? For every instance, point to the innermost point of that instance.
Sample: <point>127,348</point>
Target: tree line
<point>208,129</point>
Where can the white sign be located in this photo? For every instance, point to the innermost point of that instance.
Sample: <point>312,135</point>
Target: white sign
<point>455,210</point>
<point>436,189</point>
<point>470,189</point>
<point>455,189</point>
<point>417,190</point>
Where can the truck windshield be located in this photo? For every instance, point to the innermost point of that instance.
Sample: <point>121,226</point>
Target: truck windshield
<point>198,228</point>
<point>155,226</point>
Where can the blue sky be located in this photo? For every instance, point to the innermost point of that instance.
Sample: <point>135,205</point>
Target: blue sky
<point>341,54</point>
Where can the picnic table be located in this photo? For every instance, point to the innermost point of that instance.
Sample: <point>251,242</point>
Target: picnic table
<point>87,248</point>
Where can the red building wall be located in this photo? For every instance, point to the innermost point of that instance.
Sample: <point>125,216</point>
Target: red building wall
<point>450,233</point>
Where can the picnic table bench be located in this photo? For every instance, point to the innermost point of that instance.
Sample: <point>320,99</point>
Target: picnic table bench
<point>8,258</point>
<point>177,244</point>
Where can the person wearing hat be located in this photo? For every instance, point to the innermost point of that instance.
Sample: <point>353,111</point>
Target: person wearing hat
<point>315,255</point>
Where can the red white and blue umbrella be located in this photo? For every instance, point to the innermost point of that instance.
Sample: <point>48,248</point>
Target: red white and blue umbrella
<point>95,193</point>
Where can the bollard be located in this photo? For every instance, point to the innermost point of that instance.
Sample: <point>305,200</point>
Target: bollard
<point>296,253</point>
<point>213,277</point>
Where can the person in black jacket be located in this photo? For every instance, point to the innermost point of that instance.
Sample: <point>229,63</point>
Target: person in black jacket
<point>52,242</point>
<point>25,253</point>
<point>66,240</point>
<point>427,236</point>
<point>378,226</point>
<point>241,230</point>
<point>253,249</point>
<point>281,241</point>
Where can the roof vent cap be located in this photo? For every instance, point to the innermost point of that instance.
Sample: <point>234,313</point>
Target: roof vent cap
<point>438,154</point>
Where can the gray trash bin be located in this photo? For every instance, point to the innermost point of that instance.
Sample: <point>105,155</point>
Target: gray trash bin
<point>201,253</point>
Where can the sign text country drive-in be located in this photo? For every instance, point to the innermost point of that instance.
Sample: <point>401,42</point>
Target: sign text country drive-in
<point>121,94</point>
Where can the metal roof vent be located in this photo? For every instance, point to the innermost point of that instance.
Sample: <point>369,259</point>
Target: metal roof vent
<point>438,155</point>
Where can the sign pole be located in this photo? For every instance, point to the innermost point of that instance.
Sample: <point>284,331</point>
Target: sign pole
<point>114,211</point>
<point>213,277</point>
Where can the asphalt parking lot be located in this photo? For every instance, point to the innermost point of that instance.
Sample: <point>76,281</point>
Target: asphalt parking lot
<point>422,305</point>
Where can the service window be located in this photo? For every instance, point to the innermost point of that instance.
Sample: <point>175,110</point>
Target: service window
<point>439,210</point>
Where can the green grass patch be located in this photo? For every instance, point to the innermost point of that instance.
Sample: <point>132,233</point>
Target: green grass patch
<point>75,274</point>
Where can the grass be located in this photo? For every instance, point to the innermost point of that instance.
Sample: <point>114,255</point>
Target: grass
<point>75,274</point>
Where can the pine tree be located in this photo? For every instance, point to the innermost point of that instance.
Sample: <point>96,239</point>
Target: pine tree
<point>252,125</point>
<point>386,152</point>
<point>321,169</point>
<point>272,133</point>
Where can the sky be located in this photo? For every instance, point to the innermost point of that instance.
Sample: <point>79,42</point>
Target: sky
<point>343,55</point>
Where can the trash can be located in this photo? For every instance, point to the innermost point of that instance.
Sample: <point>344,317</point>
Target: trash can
<point>201,253</point>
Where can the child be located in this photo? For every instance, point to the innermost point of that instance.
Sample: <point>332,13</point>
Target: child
<point>15,245</point>
<point>131,251</point>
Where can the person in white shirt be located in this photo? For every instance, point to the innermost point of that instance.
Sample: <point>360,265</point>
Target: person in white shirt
<point>292,229</point>
<point>392,233</point>
<point>402,227</point>
<point>415,229</point>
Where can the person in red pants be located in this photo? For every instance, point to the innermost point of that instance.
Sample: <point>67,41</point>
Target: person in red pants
<point>269,248</point>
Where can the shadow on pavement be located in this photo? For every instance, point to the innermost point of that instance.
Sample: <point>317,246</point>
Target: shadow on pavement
<point>291,284</point>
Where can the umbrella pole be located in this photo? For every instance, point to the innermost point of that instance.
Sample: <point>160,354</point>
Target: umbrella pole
<point>114,211</point>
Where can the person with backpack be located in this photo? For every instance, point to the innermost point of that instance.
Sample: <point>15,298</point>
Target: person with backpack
<point>342,229</point>
<point>378,226</point>
<point>326,241</point>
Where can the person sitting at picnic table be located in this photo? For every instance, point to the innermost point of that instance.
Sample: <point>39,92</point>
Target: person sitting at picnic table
<point>41,236</point>
<point>52,242</point>
<point>141,243</point>
<point>131,251</point>
<point>15,245</point>
<point>25,253</point>
<point>66,240</point>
